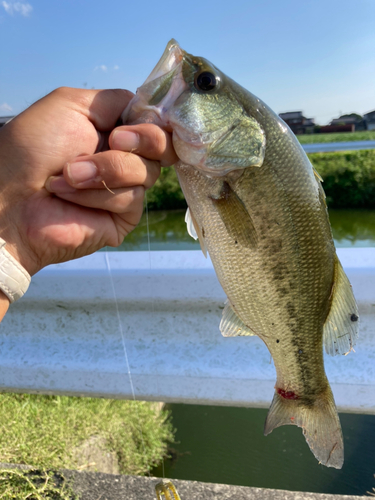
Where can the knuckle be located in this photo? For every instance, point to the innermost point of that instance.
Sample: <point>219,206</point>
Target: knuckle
<point>63,92</point>
<point>114,166</point>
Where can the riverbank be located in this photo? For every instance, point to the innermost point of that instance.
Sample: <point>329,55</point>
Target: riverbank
<point>349,181</point>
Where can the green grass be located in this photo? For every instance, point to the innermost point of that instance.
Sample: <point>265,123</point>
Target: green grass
<point>41,431</point>
<point>34,485</point>
<point>366,135</point>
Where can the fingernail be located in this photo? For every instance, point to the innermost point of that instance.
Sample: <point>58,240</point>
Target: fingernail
<point>82,171</point>
<point>59,185</point>
<point>125,140</point>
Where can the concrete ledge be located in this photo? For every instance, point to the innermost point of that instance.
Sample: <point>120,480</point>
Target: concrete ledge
<point>64,336</point>
<point>105,486</point>
<point>99,486</point>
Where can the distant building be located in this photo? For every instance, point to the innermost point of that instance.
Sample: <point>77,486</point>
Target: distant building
<point>327,129</point>
<point>298,123</point>
<point>4,120</point>
<point>355,121</point>
<point>369,119</point>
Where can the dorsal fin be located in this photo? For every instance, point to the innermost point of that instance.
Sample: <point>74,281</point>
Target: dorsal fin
<point>194,230</point>
<point>341,327</point>
<point>317,175</point>
<point>231,325</point>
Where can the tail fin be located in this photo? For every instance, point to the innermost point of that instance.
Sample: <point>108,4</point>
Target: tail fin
<point>319,421</point>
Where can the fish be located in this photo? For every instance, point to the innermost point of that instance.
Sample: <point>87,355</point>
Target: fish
<point>257,207</point>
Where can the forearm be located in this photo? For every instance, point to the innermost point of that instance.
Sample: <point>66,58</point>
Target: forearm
<point>4,305</point>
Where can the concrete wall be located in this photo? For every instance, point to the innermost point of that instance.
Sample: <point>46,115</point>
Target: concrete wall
<point>66,337</point>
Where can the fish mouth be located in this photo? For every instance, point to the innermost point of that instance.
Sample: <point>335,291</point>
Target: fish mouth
<point>159,91</point>
<point>171,58</point>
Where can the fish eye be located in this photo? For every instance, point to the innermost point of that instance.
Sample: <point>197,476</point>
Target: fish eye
<point>206,81</point>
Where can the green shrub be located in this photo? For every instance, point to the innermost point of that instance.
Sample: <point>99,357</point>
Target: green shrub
<point>349,181</point>
<point>349,177</point>
<point>166,194</point>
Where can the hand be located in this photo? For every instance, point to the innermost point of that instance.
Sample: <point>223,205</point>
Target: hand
<point>64,193</point>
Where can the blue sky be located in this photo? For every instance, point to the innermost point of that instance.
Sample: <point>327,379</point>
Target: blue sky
<point>317,56</point>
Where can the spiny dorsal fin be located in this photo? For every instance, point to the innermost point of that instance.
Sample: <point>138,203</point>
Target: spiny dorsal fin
<point>341,327</point>
<point>231,325</point>
<point>194,230</point>
<point>319,180</point>
<point>317,175</point>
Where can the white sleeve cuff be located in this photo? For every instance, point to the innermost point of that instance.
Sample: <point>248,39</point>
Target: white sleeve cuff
<point>14,279</point>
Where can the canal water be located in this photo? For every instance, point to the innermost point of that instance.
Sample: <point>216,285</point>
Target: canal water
<point>227,445</point>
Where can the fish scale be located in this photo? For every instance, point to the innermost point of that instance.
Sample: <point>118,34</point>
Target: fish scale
<point>257,206</point>
<point>253,290</point>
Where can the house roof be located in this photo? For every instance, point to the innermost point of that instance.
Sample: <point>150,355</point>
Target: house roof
<point>290,115</point>
<point>347,120</point>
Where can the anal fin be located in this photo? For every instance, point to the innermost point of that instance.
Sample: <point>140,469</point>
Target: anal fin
<point>231,325</point>
<point>340,330</point>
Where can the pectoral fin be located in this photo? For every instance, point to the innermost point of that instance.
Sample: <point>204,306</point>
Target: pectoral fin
<point>341,327</point>
<point>194,230</point>
<point>231,325</point>
<point>235,217</point>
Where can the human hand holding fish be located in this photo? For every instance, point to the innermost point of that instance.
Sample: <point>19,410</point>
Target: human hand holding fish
<point>258,207</point>
<point>55,166</point>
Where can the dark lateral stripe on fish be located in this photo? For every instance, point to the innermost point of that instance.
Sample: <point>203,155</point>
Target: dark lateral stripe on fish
<point>235,217</point>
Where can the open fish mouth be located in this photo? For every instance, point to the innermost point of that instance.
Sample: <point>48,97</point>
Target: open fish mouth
<point>160,90</point>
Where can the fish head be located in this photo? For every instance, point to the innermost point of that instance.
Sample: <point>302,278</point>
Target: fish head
<point>202,107</point>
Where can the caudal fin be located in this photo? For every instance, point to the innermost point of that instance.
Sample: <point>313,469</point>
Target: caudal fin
<point>319,421</point>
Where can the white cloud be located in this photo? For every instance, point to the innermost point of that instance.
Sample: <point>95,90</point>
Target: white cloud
<point>102,67</point>
<point>115,67</point>
<point>5,107</point>
<point>17,7</point>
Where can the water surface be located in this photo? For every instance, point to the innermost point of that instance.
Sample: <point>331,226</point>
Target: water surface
<point>226,445</point>
<point>167,231</point>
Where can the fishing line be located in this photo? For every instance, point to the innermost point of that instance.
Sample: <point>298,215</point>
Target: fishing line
<point>125,353</point>
<point>121,330</point>
<point>152,297</point>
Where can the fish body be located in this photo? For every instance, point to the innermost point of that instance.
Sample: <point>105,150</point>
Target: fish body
<point>258,208</point>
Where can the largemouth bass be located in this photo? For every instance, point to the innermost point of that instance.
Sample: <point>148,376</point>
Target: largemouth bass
<point>257,206</point>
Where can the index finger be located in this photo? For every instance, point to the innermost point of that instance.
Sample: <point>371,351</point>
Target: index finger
<point>106,107</point>
<point>102,107</point>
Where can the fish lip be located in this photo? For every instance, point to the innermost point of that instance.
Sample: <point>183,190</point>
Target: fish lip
<point>172,56</point>
<point>171,61</point>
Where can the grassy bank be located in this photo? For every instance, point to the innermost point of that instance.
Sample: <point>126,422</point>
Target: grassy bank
<point>349,181</point>
<point>45,431</point>
<point>366,135</point>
